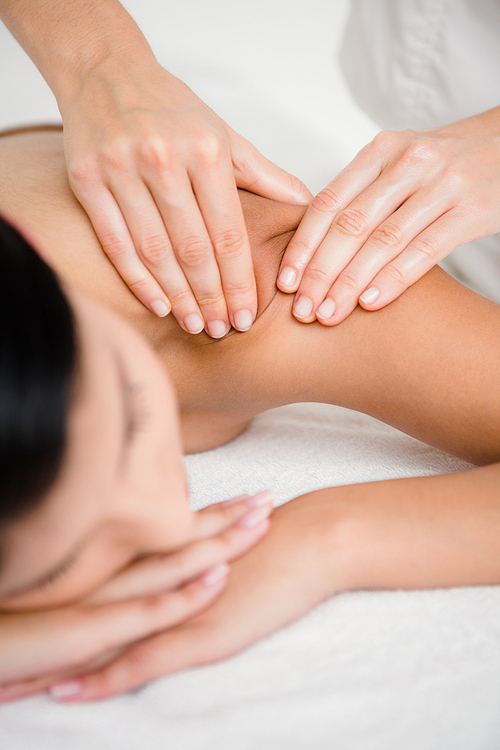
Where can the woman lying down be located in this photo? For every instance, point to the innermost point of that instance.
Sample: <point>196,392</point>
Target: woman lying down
<point>107,579</point>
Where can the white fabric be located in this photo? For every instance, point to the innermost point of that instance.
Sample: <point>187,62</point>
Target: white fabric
<point>363,671</point>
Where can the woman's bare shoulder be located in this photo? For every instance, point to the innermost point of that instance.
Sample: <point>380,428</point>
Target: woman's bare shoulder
<point>35,191</point>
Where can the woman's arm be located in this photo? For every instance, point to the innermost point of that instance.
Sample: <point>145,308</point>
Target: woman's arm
<point>425,532</point>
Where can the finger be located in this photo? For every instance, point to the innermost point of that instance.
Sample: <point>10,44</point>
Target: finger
<point>18,690</point>
<point>422,254</point>
<point>103,628</point>
<point>355,178</point>
<point>155,251</point>
<point>193,249</point>
<point>114,236</point>
<point>255,173</point>
<point>165,572</point>
<point>221,208</point>
<point>388,240</point>
<point>158,656</point>
<point>216,518</point>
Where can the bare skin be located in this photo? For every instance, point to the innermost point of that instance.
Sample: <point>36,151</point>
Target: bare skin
<point>427,364</point>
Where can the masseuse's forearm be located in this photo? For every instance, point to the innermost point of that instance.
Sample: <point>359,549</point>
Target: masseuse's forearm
<point>424,532</point>
<point>68,40</point>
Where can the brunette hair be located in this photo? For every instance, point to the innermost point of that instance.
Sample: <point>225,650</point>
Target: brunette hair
<point>38,352</point>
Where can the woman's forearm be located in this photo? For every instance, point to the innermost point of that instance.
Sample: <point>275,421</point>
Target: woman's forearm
<point>68,40</point>
<point>423,532</point>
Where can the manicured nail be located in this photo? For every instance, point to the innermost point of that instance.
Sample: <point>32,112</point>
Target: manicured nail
<point>65,690</point>
<point>193,323</point>
<point>254,517</point>
<point>370,295</point>
<point>287,276</point>
<point>160,308</point>
<point>234,500</point>
<point>303,307</point>
<point>215,574</point>
<point>326,309</point>
<point>262,498</point>
<point>243,320</point>
<point>217,328</point>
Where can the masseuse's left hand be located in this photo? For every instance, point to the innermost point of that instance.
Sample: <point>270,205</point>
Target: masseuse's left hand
<point>405,201</point>
<point>297,565</point>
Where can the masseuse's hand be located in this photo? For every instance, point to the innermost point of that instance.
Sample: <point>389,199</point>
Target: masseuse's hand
<point>154,594</point>
<point>406,201</point>
<point>157,172</point>
<point>295,567</point>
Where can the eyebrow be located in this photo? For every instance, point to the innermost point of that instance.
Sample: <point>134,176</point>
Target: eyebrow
<point>127,423</point>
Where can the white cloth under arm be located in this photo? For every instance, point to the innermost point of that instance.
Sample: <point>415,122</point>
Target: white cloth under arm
<point>424,63</point>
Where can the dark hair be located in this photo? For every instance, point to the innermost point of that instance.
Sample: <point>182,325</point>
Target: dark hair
<point>38,351</point>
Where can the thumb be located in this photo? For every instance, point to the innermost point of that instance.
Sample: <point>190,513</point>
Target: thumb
<point>255,173</point>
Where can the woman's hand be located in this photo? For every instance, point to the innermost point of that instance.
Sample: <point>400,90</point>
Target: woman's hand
<point>157,172</point>
<point>151,596</point>
<point>406,201</point>
<point>294,568</point>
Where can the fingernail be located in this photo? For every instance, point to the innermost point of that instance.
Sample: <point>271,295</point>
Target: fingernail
<point>217,328</point>
<point>326,309</point>
<point>370,295</point>
<point>215,574</point>
<point>287,276</point>
<point>262,498</point>
<point>65,690</point>
<point>193,323</point>
<point>159,307</point>
<point>303,307</point>
<point>234,500</point>
<point>243,320</point>
<point>254,517</point>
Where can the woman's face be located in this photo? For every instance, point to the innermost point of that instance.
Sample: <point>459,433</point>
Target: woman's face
<point>122,491</point>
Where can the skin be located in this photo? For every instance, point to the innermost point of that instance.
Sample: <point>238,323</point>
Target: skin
<point>393,365</point>
<point>146,158</point>
<point>405,201</point>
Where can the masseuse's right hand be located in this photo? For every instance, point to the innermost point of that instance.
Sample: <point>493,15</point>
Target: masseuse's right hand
<point>154,594</point>
<point>157,172</point>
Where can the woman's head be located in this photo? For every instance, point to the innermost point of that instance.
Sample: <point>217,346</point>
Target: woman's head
<point>90,459</point>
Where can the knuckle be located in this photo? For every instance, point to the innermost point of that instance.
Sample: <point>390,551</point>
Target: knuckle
<point>427,248</point>
<point>230,243</point>
<point>318,274</point>
<point>153,249</point>
<point>211,300</point>
<point>83,173</point>
<point>154,153</point>
<point>326,201</point>
<point>396,275</point>
<point>182,298</point>
<point>421,152</point>
<point>386,138</point>
<point>351,223</point>
<point>388,236</point>
<point>239,289</point>
<point>114,247</point>
<point>139,286</point>
<point>210,148</point>
<point>349,280</point>
<point>193,251</point>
